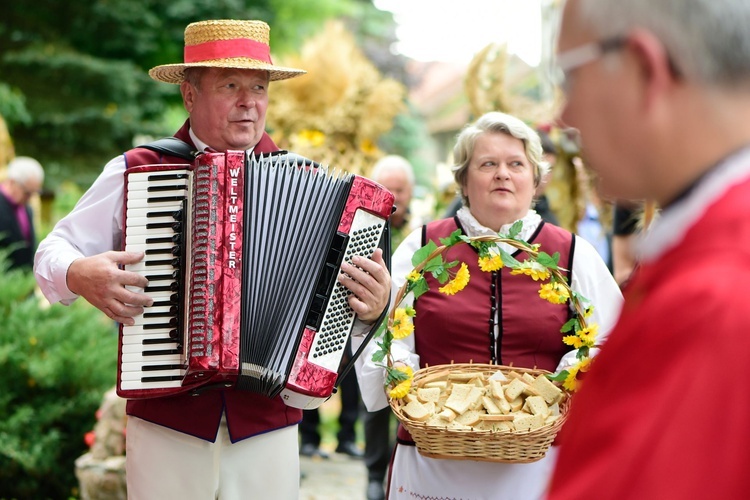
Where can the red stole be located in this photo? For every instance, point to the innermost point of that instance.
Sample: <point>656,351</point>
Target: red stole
<point>248,413</point>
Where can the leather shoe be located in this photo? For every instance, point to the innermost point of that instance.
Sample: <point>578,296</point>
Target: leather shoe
<point>310,450</point>
<point>375,490</point>
<point>349,448</point>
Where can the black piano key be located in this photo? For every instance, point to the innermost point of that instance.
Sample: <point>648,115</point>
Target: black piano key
<point>161,352</point>
<point>167,378</point>
<point>159,251</point>
<point>175,214</point>
<point>175,226</point>
<point>157,326</point>
<point>158,368</point>
<point>162,199</point>
<point>163,340</point>
<point>167,176</point>
<point>173,187</point>
<point>163,239</point>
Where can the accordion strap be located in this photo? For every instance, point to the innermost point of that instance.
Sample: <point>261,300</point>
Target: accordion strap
<point>172,146</point>
<point>385,245</point>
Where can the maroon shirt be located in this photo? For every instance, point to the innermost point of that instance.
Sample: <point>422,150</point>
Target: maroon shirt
<point>248,413</point>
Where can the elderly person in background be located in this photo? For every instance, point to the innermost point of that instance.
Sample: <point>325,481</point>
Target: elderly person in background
<point>497,167</point>
<point>223,443</point>
<point>396,174</point>
<point>660,91</point>
<point>25,178</point>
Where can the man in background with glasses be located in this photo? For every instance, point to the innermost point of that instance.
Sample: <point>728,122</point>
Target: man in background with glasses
<point>660,92</point>
<point>25,177</point>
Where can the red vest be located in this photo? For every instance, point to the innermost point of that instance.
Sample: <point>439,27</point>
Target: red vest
<point>247,413</point>
<point>458,328</point>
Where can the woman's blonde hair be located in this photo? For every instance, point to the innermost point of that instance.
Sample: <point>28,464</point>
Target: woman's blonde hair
<point>496,122</point>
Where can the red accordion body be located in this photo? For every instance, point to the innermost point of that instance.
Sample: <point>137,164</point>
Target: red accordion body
<point>242,255</point>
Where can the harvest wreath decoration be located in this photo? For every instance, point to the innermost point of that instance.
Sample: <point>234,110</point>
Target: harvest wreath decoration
<point>540,267</point>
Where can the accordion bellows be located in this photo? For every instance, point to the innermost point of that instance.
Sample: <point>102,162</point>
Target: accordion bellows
<point>242,257</point>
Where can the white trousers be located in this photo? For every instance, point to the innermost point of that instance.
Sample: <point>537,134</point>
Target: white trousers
<point>163,464</point>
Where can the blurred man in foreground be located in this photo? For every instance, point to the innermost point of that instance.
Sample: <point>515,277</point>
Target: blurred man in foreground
<point>660,91</point>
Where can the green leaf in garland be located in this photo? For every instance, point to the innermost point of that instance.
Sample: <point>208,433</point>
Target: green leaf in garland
<point>419,288</point>
<point>394,375</point>
<point>559,377</point>
<point>455,237</point>
<point>441,275</point>
<point>515,229</point>
<point>379,356</point>
<point>583,352</point>
<point>548,261</point>
<point>569,325</point>
<point>508,259</point>
<point>422,254</point>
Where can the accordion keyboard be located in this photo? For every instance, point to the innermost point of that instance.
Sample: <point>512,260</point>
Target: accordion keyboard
<point>151,355</point>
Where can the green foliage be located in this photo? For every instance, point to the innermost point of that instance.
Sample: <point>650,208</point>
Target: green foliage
<point>13,105</point>
<point>73,75</point>
<point>57,363</point>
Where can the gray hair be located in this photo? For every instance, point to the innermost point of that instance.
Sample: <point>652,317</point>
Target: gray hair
<point>393,163</point>
<point>496,122</point>
<point>708,41</point>
<point>24,168</point>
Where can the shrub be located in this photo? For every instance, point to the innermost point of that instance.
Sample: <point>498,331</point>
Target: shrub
<point>57,363</point>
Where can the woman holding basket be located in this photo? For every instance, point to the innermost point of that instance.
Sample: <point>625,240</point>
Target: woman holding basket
<point>499,318</point>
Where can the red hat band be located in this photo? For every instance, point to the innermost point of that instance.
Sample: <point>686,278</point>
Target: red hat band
<point>227,49</point>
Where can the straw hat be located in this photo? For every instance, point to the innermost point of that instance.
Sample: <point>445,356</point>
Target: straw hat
<point>225,44</point>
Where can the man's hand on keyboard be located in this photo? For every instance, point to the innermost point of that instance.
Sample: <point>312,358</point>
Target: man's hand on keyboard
<point>100,280</point>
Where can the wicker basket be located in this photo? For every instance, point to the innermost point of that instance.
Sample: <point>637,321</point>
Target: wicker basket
<point>482,445</point>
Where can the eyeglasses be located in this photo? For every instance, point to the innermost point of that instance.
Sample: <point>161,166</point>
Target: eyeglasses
<point>570,60</point>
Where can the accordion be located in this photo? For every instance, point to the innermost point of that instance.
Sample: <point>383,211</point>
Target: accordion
<point>242,254</point>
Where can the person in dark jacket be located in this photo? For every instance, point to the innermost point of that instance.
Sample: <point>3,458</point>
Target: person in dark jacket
<point>24,179</point>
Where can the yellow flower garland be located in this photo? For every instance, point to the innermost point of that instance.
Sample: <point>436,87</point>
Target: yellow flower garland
<point>539,267</point>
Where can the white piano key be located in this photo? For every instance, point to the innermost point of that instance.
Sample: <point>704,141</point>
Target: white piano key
<point>145,221</point>
<point>138,202</point>
<point>138,339</point>
<point>142,267</point>
<point>139,330</point>
<point>143,185</point>
<point>133,357</point>
<point>147,231</point>
<point>144,348</point>
<point>134,385</point>
<point>138,366</point>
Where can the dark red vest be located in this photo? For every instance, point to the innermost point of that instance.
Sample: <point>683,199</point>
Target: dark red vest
<point>457,328</point>
<point>247,413</point>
